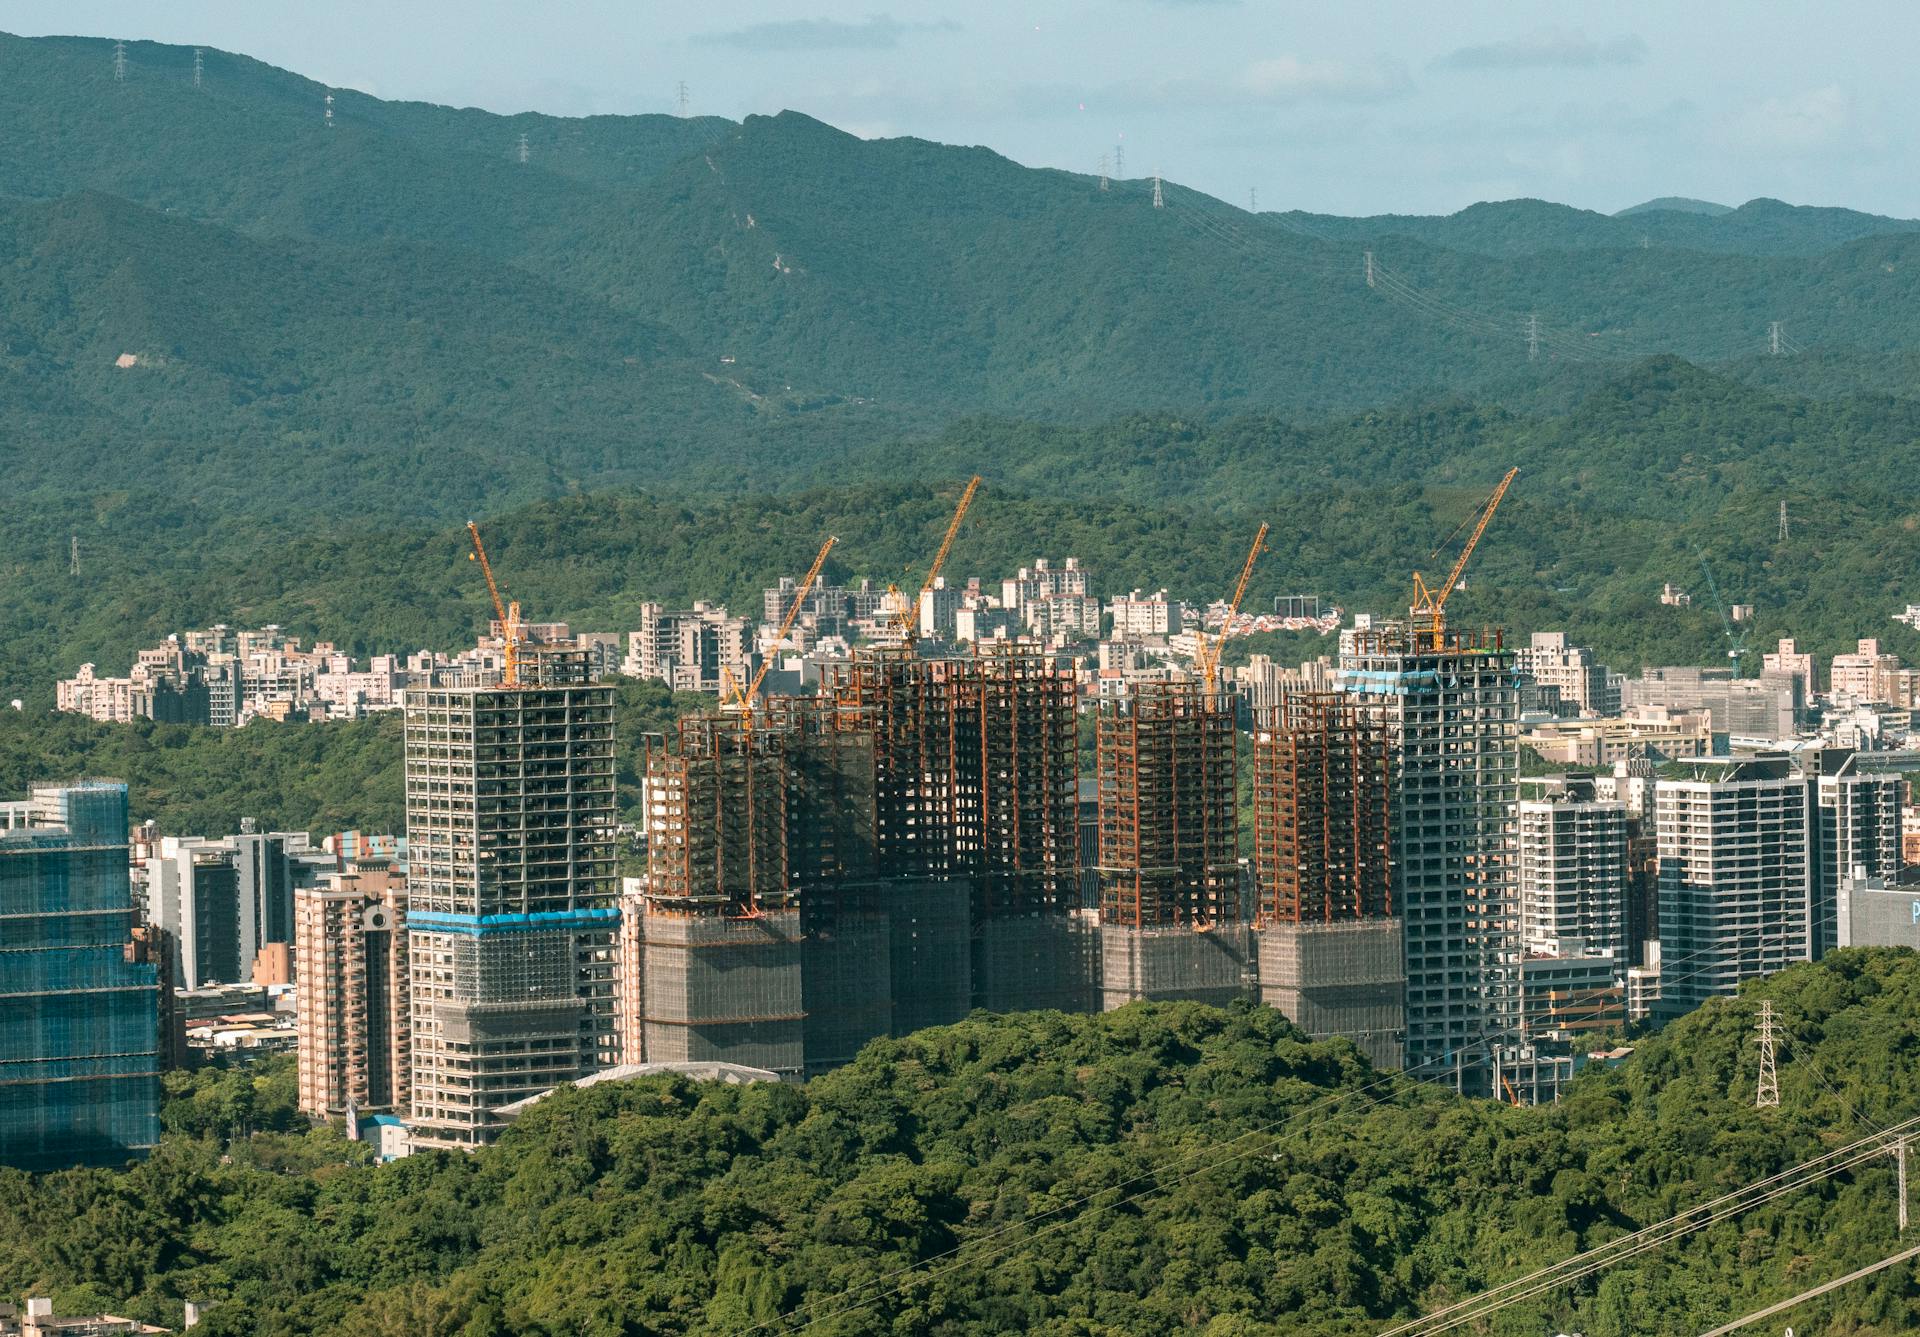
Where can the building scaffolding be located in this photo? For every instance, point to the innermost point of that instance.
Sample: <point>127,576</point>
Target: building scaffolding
<point>1166,767</point>
<point>1320,795</point>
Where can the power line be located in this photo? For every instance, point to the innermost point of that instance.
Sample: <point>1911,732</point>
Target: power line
<point>1811,1293</point>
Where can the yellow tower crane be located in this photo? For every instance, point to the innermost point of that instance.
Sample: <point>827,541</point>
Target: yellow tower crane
<point>743,701</point>
<point>1428,614</point>
<point>1206,658</point>
<point>904,612</point>
<point>508,613</point>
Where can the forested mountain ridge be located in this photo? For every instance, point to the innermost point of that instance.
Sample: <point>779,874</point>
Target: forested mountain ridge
<point>796,267</point>
<point>1526,227</point>
<point>1653,473</point>
<point>1160,1168</point>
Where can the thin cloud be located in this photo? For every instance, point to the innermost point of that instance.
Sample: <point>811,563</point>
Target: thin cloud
<point>1292,79</point>
<point>1547,49</point>
<point>879,32</point>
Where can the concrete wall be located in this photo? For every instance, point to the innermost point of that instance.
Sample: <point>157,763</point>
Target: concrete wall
<point>724,990</point>
<point>1339,979</point>
<point>1174,964</point>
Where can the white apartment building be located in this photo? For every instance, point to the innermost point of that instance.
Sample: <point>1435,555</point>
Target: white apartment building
<point>1737,877</point>
<point>1572,873</point>
<point>1137,616</point>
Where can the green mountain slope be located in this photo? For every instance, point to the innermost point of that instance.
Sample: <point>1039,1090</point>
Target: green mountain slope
<point>1156,1169</point>
<point>1675,204</point>
<point>1526,227</point>
<point>802,268</point>
<point>1622,493</point>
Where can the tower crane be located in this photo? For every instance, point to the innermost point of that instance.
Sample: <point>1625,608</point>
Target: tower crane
<point>1736,640</point>
<point>1428,613</point>
<point>1206,657</point>
<point>508,613</point>
<point>743,701</point>
<point>904,613</point>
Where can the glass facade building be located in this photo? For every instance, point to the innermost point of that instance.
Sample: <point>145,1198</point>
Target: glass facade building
<point>79,1020</point>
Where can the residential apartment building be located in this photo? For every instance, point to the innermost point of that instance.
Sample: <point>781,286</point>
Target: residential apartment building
<point>1137,616</point>
<point>1765,708</point>
<point>1737,877</point>
<point>1857,830</point>
<point>1582,681</point>
<point>80,1038</point>
<point>687,648</point>
<point>350,952</point>
<point>221,901</point>
<point>1787,661</point>
<point>1572,872</point>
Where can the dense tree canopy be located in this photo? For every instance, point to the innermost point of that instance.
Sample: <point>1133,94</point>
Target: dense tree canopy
<point>1162,1168</point>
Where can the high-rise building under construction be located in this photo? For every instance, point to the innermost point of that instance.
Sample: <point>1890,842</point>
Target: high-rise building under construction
<point>1447,706</point>
<point>511,917</point>
<point>1171,925</point>
<point>1331,945</point>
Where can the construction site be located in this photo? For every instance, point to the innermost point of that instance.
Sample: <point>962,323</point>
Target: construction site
<point>904,845</point>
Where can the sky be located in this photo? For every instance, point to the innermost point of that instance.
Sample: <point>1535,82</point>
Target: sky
<point>1361,106</point>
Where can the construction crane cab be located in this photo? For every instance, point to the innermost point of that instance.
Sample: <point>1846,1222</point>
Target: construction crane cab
<point>1427,614</point>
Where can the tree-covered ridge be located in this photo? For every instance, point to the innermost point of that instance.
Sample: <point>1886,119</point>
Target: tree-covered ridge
<point>319,778</point>
<point>1161,1168</point>
<point>1647,473</point>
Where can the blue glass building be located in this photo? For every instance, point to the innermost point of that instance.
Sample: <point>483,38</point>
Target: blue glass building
<point>79,1021</point>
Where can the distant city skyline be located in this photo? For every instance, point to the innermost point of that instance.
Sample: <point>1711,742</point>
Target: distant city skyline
<point>1369,108</point>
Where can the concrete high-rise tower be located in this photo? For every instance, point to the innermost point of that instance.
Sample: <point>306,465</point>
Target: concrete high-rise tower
<point>1449,713</point>
<point>511,914</point>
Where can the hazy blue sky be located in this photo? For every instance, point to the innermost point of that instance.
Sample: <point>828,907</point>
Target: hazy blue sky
<point>1350,107</point>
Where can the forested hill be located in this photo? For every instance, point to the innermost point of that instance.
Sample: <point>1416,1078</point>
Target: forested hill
<point>1163,1168</point>
<point>1527,227</point>
<point>801,281</point>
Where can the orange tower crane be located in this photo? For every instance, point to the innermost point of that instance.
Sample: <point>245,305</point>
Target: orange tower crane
<point>508,613</point>
<point>904,612</point>
<point>1207,657</point>
<point>744,700</point>
<point>1428,614</point>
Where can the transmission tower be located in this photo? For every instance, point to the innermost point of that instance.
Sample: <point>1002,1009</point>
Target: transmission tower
<point>1773,338</point>
<point>199,65</point>
<point>73,556</point>
<point>120,62</point>
<point>1783,519</point>
<point>1159,201</point>
<point>1253,200</point>
<point>1900,1159</point>
<point>524,154</point>
<point>1103,171</point>
<point>1120,160</point>
<point>1369,269</point>
<point>1766,1092</point>
<point>680,96</point>
<point>329,117</point>
<point>1533,338</point>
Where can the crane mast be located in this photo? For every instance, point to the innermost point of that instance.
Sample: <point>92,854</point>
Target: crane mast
<point>1429,607</point>
<point>508,613</point>
<point>743,700</point>
<point>907,612</point>
<point>1207,658</point>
